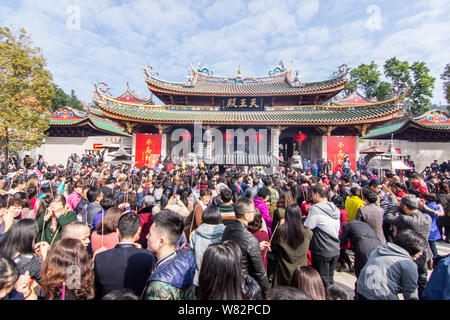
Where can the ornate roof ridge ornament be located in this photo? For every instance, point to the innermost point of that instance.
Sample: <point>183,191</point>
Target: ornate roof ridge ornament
<point>400,88</point>
<point>102,88</point>
<point>202,69</point>
<point>150,72</point>
<point>278,69</point>
<point>435,116</point>
<point>342,71</point>
<point>296,81</point>
<point>239,78</point>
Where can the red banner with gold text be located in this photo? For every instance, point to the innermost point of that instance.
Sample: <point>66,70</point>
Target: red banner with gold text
<point>337,147</point>
<point>148,149</point>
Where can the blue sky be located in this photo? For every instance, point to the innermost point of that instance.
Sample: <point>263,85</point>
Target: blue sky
<point>86,41</point>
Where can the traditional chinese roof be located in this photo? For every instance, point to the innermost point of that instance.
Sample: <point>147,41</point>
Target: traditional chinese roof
<point>70,117</point>
<point>434,120</point>
<point>313,114</point>
<point>306,115</point>
<point>128,97</point>
<point>202,82</point>
<point>131,97</point>
<point>355,98</point>
<point>385,130</point>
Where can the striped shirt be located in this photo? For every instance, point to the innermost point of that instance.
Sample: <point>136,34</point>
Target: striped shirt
<point>227,212</point>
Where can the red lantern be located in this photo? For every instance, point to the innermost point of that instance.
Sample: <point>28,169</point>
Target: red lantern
<point>228,136</point>
<point>300,137</point>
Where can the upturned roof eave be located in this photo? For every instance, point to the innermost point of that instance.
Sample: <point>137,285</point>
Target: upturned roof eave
<point>289,91</point>
<point>115,114</point>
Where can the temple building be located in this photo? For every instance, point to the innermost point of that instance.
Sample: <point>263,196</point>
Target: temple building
<point>278,115</point>
<point>85,131</point>
<point>421,139</point>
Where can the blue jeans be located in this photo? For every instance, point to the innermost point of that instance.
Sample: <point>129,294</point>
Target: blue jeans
<point>433,248</point>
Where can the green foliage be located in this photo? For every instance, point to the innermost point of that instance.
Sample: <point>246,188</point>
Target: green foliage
<point>368,78</point>
<point>397,70</point>
<point>62,99</point>
<point>383,91</point>
<point>418,77</point>
<point>25,92</point>
<point>446,77</point>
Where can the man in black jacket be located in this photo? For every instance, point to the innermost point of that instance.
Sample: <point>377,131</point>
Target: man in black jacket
<point>363,241</point>
<point>251,251</point>
<point>125,266</point>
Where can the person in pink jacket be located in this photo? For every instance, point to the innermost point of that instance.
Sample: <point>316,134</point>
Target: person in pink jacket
<point>75,196</point>
<point>260,202</point>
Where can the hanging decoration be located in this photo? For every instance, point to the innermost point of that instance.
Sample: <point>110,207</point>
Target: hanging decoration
<point>258,137</point>
<point>300,137</point>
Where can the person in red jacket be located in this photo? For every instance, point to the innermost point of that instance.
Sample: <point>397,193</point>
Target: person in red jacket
<point>145,217</point>
<point>255,228</point>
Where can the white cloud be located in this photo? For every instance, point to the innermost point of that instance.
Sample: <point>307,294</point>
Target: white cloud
<point>258,6</point>
<point>429,11</point>
<point>222,12</point>
<point>318,35</point>
<point>117,38</point>
<point>306,10</point>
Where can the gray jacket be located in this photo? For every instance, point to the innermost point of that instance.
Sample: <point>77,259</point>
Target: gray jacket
<point>389,271</point>
<point>418,222</point>
<point>201,238</point>
<point>323,220</point>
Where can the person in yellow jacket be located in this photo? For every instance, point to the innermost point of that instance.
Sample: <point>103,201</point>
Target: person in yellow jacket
<point>353,203</point>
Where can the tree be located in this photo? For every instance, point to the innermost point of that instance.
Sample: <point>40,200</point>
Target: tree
<point>74,102</point>
<point>25,92</point>
<point>418,77</point>
<point>62,99</point>
<point>368,78</point>
<point>445,76</point>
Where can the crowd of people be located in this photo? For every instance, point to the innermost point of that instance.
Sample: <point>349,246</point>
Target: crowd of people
<point>115,232</point>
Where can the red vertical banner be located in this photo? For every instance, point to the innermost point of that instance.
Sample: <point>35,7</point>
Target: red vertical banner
<point>148,149</point>
<point>337,147</point>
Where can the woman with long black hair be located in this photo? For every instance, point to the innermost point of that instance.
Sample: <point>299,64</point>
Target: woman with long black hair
<point>220,275</point>
<point>20,245</point>
<point>291,243</point>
